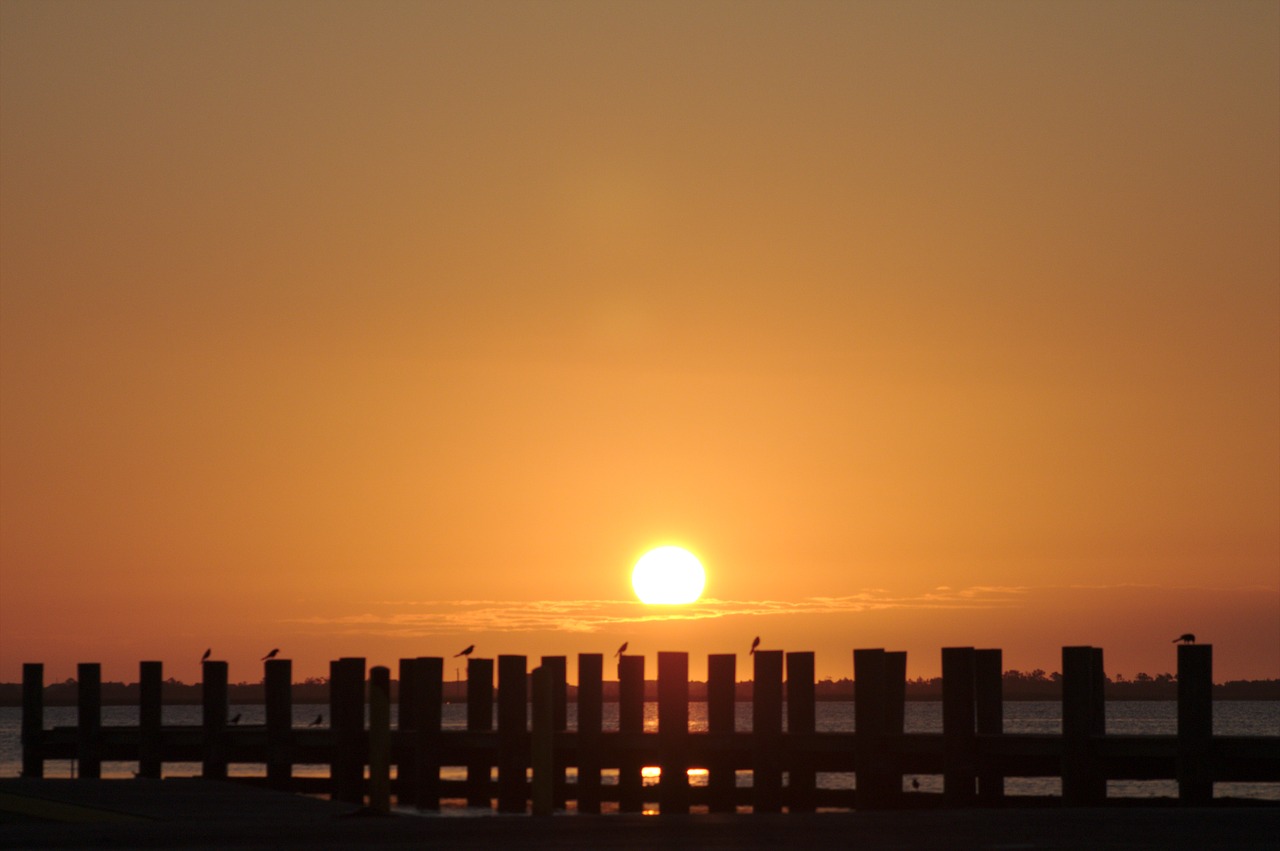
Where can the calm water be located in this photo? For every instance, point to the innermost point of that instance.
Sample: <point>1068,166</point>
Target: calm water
<point>1234,718</point>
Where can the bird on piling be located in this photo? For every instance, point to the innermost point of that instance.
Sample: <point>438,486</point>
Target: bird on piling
<point>754,645</point>
<point>319,720</point>
<point>466,652</point>
<point>236,720</point>
<point>915,783</point>
<point>207,654</point>
<point>621,650</point>
<point>270,655</point>
<point>1186,638</point>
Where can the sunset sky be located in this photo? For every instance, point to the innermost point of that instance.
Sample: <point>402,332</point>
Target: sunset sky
<point>385,328</point>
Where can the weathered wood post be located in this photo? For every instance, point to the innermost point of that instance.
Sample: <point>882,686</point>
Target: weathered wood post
<point>479,720</point>
<point>150,703</point>
<point>870,712</point>
<point>214,698</point>
<point>989,695</point>
<point>721,710</point>
<point>631,726</point>
<point>89,701</point>
<point>513,748</point>
<point>1083,782</point>
<point>558,682</point>
<point>542,747</point>
<point>277,676</point>
<point>406,754</point>
<point>801,723</point>
<point>380,739</point>
<point>959,745</point>
<point>32,719</point>
<point>346,713</point>
<point>1195,724</point>
<point>673,732</point>
<point>895,724</point>
<point>428,712</point>
<point>766,732</point>
<point>590,724</point>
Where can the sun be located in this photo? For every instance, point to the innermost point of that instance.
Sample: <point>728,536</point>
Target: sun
<point>668,576</point>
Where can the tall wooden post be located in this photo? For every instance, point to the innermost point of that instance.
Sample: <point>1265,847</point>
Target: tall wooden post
<point>631,726</point>
<point>895,724</point>
<point>721,712</point>
<point>89,738</point>
<point>558,683</point>
<point>479,719</point>
<point>277,677</point>
<point>380,739</point>
<point>406,754</point>
<point>958,727</point>
<point>513,709</point>
<point>1083,782</point>
<point>32,720</point>
<point>214,696</point>
<point>766,728</point>
<point>542,749</point>
<point>870,712</point>
<point>150,709</point>
<point>673,732</point>
<point>590,724</point>
<point>346,711</point>
<point>989,695</point>
<point>1195,724</point>
<point>428,674</point>
<point>801,722</point>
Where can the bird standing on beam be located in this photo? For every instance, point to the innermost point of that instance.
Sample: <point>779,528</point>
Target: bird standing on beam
<point>1186,638</point>
<point>207,654</point>
<point>621,650</point>
<point>466,652</point>
<point>270,655</point>
<point>754,645</point>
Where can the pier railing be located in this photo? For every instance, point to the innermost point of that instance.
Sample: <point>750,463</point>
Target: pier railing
<point>519,765</point>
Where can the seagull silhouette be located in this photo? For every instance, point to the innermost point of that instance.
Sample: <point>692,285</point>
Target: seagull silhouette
<point>206,655</point>
<point>754,645</point>
<point>466,652</point>
<point>1185,638</point>
<point>270,655</point>
<point>621,650</point>
<point>319,720</point>
<point>236,720</point>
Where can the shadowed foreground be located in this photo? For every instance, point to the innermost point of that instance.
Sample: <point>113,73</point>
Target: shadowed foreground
<point>199,814</point>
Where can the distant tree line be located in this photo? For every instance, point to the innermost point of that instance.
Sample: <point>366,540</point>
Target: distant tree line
<point>1018,685</point>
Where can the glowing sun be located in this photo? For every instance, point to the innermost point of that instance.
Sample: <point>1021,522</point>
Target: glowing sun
<point>668,576</point>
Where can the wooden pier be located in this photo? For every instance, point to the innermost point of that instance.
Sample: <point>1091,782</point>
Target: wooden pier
<point>522,767</point>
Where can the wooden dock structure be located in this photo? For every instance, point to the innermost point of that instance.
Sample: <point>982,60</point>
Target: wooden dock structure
<point>523,767</point>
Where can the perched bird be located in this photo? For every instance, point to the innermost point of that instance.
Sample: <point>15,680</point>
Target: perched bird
<point>206,655</point>
<point>319,720</point>
<point>915,783</point>
<point>236,720</point>
<point>754,645</point>
<point>621,650</point>
<point>466,652</point>
<point>270,655</point>
<point>1185,638</point>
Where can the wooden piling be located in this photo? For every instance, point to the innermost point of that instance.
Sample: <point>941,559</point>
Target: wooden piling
<point>513,709</point>
<point>673,732</point>
<point>428,689</point>
<point>801,721</point>
<point>150,703</point>
<point>1083,783</point>
<point>346,713</point>
<point>32,720</point>
<point>1195,724</point>
<point>214,698</point>
<point>721,713</point>
<point>590,724</point>
<point>558,683</point>
<point>479,719</point>
<point>380,739</point>
<point>988,676</point>
<point>766,727</point>
<point>406,756</point>
<point>542,745</point>
<point>277,677</point>
<point>630,721</point>
<point>870,714</point>
<point>959,746</point>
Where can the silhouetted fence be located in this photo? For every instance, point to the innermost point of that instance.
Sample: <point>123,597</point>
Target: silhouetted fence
<point>972,754</point>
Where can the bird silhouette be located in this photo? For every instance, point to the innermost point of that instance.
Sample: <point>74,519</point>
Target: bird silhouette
<point>621,650</point>
<point>466,652</point>
<point>270,655</point>
<point>915,784</point>
<point>319,720</point>
<point>1185,638</point>
<point>236,720</point>
<point>754,645</point>
<point>206,655</point>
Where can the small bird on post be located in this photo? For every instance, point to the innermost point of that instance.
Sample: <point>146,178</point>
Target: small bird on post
<point>207,654</point>
<point>621,650</point>
<point>270,655</point>
<point>466,652</point>
<point>754,645</point>
<point>1185,638</point>
<point>236,720</point>
<point>319,720</point>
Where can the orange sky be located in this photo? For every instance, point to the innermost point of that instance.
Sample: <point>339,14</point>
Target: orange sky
<point>388,328</point>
